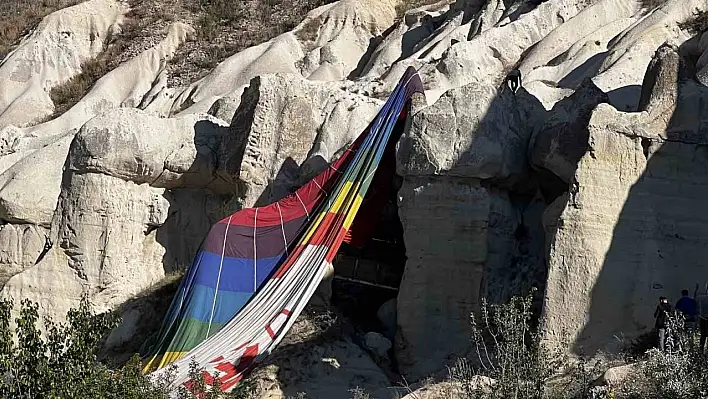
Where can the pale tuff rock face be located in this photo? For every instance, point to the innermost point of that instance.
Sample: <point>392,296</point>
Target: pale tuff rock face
<point>625,236</point>
<point>51,55</point>
<point>563,185</point>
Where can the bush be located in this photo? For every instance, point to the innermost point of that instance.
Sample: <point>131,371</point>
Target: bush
<point>407,5</point>
<point>510,350</point>
<point>681,371</point>
<point>696,25</point>
<point>63,364</point>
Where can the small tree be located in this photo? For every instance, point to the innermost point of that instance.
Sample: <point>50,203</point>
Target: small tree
<point>510,350</point>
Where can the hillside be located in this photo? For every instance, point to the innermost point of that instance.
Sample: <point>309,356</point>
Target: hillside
<point>127,129</point>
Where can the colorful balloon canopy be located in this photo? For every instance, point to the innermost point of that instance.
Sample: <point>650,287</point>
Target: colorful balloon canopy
<point>257,269</point>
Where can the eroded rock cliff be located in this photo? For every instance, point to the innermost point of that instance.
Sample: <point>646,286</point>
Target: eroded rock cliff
<point>586,183</point>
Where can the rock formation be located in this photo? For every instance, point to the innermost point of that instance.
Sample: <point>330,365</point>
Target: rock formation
<point>587,183</point>
<point>51,55</point>
<point>625,228</point>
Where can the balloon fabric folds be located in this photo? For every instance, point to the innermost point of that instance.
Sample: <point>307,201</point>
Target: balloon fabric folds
<point>257,269</point>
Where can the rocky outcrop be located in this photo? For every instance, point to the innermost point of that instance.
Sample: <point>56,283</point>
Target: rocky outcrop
<point>460,159</point>
<point>104,227</point>
<point>327,45</point>
<point>320,358</point>
<point>125,86</point>
<point>555,186</point>
<point>563,139</point>
<point>629,228</point>
<point>30,187</point>
<point>126,213</point>
<point>51,55</point>
<point>284,121</point>
<point>22,246</point>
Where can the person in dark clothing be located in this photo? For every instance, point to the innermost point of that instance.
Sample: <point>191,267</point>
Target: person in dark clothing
<point>689,308</point>
<point>513,80</point>
<point>47,246</point>
<point>661,314</point>
<point>702,301</point>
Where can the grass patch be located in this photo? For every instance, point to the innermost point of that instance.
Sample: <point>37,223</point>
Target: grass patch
<point>696,25</point>
<point>406,5</point>
<point>18,17</point>
<point>652,4</point>
<point>246,24</point>
<point>140,16</point>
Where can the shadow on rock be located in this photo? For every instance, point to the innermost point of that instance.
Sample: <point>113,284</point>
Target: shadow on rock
<point>471,209</point>
<point>657,174</point>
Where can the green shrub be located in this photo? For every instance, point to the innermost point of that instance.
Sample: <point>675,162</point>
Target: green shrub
<point>681,371</point>
<point>62,363</point>
<point>510,350</point>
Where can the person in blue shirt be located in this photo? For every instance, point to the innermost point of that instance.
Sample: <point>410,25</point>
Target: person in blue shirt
<point>689,308</point>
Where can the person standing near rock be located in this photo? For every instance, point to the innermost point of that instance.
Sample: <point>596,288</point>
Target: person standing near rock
<point>513,80</point>
<point>702,302</point>
<point>688,307</point>
<point>661,314</point>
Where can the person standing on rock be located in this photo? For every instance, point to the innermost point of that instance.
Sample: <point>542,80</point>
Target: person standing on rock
<point>688,307</point>
<point>513,80</point>
<point>661,314</point>
<point>702,302</point>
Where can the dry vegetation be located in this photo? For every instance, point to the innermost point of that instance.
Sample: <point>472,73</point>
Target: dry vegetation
<point>652,4</point>
<point>138,34</point>
<point>18,17</point>
<point>406,5</point>
<point>224,27</point>
<point>698,24</point>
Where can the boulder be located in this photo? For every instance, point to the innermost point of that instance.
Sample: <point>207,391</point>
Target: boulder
<point>377,343</point>
<point>386,315</point>
<point>453,388</point>
<point>615,376</point>
<point>133,145</point>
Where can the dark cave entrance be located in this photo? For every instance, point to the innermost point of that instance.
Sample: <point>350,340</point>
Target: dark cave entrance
<point>369,265</point>
<point>368,276</point>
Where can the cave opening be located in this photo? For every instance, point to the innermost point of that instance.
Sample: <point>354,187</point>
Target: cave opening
<point>367,276</point>
<point>369,265</point>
